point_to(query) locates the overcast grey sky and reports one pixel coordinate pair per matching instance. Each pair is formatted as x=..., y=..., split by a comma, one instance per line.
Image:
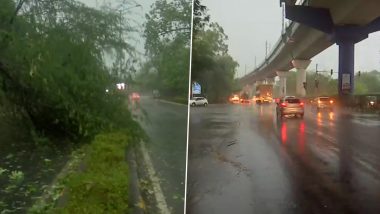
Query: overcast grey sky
x=249, y=23
x=136, y=13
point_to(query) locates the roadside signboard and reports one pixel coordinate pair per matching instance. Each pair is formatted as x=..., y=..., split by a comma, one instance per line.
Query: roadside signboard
x=346, y=82
x=196, y=88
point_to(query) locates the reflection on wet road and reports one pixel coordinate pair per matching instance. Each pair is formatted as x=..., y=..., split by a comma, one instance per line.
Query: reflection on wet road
x=242, y=159
x=166, y=126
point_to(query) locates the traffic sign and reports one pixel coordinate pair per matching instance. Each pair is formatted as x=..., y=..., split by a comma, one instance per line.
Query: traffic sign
x=346, y=82
x=196, y=89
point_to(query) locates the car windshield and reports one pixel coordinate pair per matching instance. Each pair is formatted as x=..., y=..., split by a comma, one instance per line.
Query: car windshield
x=292, y=100
x=324, y=99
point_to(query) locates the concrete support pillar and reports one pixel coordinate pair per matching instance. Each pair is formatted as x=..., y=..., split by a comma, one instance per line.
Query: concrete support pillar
x=282, y=75
x=301, y=66
x=269, y=81
x=259, y=82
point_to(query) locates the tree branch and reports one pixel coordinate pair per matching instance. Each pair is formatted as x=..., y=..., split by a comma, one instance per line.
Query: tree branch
x=18, y=8
x=162, y=33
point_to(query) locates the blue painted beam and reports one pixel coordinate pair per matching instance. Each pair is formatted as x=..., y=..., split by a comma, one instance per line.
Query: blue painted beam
x=374, y=26
x=318, y=18
x=349, y=33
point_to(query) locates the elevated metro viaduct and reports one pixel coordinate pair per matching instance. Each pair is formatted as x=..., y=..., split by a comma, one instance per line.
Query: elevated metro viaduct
x=318, y=24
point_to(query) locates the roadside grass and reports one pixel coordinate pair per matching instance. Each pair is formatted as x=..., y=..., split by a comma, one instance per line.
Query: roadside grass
x=98, y=183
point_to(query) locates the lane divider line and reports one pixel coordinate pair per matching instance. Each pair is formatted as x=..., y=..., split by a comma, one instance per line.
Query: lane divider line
x=173, y=103
x=158, y=194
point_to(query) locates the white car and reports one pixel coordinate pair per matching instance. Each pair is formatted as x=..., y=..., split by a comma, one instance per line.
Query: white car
x=198, y=101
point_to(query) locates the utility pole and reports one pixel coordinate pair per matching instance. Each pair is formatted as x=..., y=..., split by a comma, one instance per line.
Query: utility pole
x=255, y=63
x=266, y=49
x=283, y=18
x=245, y=69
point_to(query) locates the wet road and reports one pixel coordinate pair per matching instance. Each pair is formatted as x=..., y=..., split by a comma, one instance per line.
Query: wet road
x=243, y=160
x=166, y=126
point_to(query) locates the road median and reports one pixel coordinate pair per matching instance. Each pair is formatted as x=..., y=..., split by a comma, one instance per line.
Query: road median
x=95, y=180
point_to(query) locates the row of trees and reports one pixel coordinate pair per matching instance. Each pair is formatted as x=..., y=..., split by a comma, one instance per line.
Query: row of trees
x=52, y=64
x=167, y=33
x=366, y=83
x=212, y=66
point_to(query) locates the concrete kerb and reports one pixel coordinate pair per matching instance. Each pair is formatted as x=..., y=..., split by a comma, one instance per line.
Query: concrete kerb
x=151, y=191
x=136, y=199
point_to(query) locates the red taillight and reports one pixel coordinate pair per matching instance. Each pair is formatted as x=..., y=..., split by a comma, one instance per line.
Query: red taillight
x=302, y=104
x=283, y=104
x=331, y=101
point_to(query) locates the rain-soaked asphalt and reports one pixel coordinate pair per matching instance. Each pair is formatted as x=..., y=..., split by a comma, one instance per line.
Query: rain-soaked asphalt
x=166, y=126
x=243, y=160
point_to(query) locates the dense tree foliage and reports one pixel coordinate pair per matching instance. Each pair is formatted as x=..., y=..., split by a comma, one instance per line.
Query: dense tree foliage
x=52, y=64
x=367, y=83
x=167, y=33
x=200, y=17
x=212, y=66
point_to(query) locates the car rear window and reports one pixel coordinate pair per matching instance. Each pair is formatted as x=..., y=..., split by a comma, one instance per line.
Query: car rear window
x=324, y=99
x=292, y=100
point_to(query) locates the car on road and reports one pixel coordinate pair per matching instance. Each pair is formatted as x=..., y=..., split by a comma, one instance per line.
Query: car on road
x=156, y=94
x=135, y=97
x=198, y=101
x=245, y=101
x=235, y=99
x=290, y=105
x=244, y=98
x=324, y=103
x=371, y=102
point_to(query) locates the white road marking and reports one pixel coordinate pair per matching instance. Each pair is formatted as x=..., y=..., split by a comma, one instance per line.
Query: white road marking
x=173, y=103
x=158, y=194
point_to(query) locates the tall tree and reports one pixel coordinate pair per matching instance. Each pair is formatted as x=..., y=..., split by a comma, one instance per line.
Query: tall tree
x=212, y=66
x=52, y=63
x=167, y=33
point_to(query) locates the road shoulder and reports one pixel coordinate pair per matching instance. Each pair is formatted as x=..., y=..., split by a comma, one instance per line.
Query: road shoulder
x=149, y=183
x=171, y=102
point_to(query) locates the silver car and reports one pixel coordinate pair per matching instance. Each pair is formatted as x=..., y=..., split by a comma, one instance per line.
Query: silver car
x=198, y=101
x=290, y=105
